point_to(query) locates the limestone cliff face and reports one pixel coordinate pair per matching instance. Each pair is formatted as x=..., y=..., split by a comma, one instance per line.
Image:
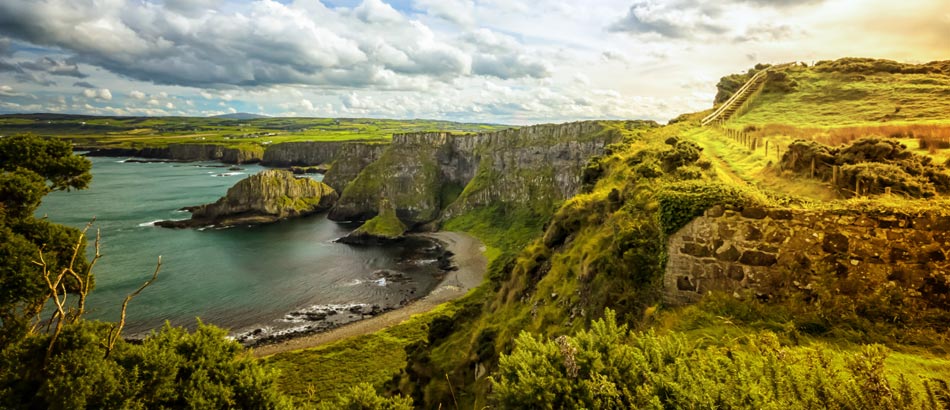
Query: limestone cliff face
x=536, y=165
x=407, y=174
x=428, y=176
x=188, y=152
x=303, y=153
x=268, y=196
x=349, y=161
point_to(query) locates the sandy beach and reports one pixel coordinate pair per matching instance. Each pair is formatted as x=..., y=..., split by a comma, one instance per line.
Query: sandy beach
x=468, y=257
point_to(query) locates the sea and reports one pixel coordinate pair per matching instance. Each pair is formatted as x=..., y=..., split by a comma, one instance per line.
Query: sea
x=255, y=281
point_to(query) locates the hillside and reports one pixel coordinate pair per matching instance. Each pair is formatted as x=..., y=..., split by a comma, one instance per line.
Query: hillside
x=863, y=315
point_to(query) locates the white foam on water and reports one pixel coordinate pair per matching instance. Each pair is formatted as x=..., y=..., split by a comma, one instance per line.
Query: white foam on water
x=228, y=174
x=151, y=223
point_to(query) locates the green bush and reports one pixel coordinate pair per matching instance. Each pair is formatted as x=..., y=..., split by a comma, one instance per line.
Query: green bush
x=610, y=367
x=169, y=369
x=683, y=153
x=681, y=202
x=877, y=163
x=364, y=397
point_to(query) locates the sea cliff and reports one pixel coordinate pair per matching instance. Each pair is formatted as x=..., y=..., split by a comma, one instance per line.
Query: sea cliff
x=433, y=176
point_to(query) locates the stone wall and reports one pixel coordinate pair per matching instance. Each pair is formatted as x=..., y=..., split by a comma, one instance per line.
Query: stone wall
x=760, y=252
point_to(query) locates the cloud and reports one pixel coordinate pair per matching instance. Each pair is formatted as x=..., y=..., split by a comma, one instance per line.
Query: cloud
x=83, y=84
x=766, y=32
x=136, y=94
x=460, y=12
x=54, y=67
x=675, y=19
x=6, y=48
x=260, y=44
x=610, y=55
x=189, y=7
x=375, y=11
x=501, y=56
x=7, y=91
x=99, y=94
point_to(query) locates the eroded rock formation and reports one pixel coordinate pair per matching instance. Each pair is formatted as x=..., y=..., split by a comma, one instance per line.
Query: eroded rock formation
x=268, y=196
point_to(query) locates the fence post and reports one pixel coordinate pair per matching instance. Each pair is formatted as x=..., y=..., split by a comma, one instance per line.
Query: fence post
x=857, y=187
x=887, y=190
x=812, y=167
x=766, y=148
x=834, y=175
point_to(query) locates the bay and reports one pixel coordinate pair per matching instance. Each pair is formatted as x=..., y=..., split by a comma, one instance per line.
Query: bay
x=240, y=278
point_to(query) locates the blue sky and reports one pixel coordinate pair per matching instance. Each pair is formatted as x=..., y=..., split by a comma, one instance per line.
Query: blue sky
x=502, y=61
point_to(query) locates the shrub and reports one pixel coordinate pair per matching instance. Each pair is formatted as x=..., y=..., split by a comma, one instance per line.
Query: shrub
x=683, y=153
x=610, y=367
x=682, y=201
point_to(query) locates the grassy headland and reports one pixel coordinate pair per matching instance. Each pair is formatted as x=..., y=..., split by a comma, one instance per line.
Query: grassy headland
x=553, y=274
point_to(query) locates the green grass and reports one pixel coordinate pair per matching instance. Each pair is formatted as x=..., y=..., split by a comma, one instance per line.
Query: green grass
x=838, y=99
x=321, y=373
x=161, y=131
x=385, y=224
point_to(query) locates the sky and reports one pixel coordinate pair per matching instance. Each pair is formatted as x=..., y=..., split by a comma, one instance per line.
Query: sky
x=495, y=61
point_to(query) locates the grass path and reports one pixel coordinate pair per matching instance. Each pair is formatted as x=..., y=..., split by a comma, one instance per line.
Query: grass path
x=468, y=257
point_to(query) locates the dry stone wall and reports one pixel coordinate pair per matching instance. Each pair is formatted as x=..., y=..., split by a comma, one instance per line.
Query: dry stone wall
x=759, y=252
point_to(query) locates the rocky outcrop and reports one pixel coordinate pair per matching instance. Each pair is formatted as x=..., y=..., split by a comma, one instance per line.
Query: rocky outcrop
x=186, y=152
x=268, y=196
x=432, y=176
x=382, y=229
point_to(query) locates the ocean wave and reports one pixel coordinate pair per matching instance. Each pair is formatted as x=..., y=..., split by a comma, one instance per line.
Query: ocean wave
x=150, y=223
x=228, y=174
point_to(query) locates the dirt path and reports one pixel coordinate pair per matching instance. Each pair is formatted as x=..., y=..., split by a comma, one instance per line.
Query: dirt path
x=468, y=257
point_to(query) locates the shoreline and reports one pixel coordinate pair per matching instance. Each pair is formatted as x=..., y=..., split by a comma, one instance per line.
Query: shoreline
x=471, y=265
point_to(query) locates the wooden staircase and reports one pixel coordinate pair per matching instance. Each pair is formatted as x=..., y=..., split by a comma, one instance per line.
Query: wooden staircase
x=741, y=96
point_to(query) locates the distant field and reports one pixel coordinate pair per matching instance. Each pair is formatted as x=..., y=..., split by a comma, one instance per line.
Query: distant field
x=151, y=131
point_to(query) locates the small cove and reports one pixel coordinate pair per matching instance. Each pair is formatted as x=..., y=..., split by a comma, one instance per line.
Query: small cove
x=241, y=278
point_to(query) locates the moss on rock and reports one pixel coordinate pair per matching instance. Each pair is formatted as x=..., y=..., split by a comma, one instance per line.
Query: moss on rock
x=268, y=196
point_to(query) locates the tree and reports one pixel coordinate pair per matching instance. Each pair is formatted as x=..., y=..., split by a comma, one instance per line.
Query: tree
x=75, y=363
x=30, y=168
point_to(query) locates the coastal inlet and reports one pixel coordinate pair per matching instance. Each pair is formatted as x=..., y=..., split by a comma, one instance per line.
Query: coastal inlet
x=240, y=278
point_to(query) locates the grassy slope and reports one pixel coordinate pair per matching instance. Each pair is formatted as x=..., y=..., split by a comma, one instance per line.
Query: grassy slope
x=597, y=252
x=832, y=99
x=833, y=103
x=161, y=131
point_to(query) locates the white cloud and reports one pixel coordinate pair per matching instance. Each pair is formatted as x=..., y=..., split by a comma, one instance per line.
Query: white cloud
x=138, y=95
x=460, y=12
x=98, y=94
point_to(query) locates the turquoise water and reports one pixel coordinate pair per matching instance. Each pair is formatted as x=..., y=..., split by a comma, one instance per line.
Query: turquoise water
x=239, y=278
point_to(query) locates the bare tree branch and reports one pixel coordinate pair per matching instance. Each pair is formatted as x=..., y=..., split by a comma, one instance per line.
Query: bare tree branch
x=116, y=330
